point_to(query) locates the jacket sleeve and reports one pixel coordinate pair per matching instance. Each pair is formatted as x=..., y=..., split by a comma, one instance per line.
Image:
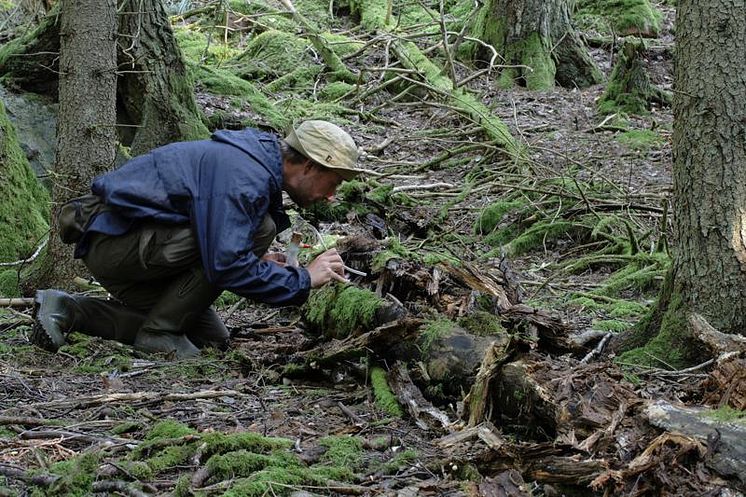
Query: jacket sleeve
x=225, y=224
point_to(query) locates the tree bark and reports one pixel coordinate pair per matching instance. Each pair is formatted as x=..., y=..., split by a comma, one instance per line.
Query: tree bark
x=709, y=143
x=155, y=91
x=537, y=42
x=85, y=130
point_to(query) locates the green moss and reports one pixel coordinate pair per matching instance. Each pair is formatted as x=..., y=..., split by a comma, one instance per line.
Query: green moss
x=611, y=325
x=671, y=346
x=342, y=45
x=298, y=80
x=202, y=48
x=727, y=414
x=629, y=89
x=385, y=398
x=536, y=54
x=401, y=460
x=276, y=20
x=220, y=443
x=243, y=463
x=226, y=299
x=339, y=310
x=76, y=477
x=126, y=427
x=168, y=428
x=9, y=283
x=491, y=217
x=273, y=54
x=270, y=481
x=613, y=307
x=20, y=192
x=90, y=359
x=335, y=90
x=482, y=323
x=623, y=16
x=640, y=139
x=542, y=233
x=433, y=330
x=342, y=451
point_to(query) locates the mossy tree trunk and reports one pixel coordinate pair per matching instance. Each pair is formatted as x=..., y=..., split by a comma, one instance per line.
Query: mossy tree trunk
x=537, y=43
x=24, y=207
x=629, y=89
x=86, y=134
x=155, y=92
x=709, y=142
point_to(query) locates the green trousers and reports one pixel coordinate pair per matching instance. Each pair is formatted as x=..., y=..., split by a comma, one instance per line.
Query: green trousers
x=156, y=276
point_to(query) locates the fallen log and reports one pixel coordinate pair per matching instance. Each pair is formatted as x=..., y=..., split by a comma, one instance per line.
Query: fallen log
x=724, y=442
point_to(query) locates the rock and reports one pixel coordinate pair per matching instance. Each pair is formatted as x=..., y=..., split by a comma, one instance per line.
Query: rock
x=36, y=126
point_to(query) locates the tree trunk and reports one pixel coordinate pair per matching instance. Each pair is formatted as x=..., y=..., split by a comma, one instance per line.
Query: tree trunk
x=156, y=94
x=709, y=270
x=629, y=88
x=537, y=43
x=86, y=134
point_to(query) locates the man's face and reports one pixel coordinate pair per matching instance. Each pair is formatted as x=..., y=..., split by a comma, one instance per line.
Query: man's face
x=317, y=183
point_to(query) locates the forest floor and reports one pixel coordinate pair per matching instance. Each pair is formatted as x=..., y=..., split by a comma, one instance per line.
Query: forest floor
x=98, y=415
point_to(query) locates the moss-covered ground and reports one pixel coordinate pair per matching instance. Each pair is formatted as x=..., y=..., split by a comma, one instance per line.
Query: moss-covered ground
x=579, y=226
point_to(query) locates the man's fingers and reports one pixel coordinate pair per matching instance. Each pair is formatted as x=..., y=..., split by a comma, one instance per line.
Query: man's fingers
x=338, y=277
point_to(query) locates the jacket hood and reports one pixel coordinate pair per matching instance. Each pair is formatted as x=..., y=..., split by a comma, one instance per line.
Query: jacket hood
x=260, y=146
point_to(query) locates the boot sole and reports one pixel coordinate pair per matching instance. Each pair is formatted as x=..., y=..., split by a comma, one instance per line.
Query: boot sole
x=40, y=335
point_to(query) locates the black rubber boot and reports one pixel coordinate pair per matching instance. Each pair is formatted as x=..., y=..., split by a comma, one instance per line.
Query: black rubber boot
x=168, y=343
x=54, y=317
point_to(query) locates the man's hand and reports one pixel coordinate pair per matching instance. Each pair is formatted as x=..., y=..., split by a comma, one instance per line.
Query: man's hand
x=325, y=268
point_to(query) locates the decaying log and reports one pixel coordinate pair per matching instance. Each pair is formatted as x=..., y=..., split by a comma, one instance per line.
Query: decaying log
x=544, y=463
x=382, y=338
x=496, y=287
x=484, y=431
x=726, y=385
x=507, y=484
x=477, y=404
x=549, y=331
x=453, y=359
x=725, y=442
x=426, y=415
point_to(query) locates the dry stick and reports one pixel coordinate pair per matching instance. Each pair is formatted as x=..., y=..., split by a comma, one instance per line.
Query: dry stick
x=66, y=436
x=596, y=351
x=431, y=186
x=30, y=259
x=28, y=421
x=17, y=302
x=138, y=397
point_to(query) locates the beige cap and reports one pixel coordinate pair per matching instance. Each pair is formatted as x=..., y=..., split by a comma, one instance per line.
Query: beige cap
x=327, y=144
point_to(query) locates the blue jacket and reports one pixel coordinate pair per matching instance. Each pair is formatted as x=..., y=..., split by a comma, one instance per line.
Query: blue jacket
x=224, y=187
